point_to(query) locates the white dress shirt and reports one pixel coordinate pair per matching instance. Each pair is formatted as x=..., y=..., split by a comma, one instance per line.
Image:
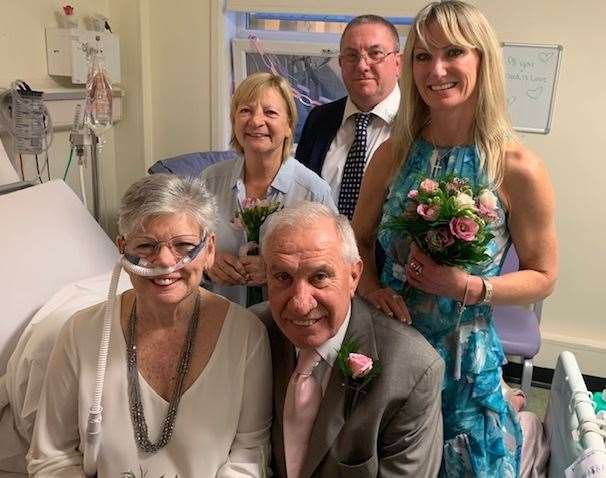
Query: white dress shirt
x=378, y=131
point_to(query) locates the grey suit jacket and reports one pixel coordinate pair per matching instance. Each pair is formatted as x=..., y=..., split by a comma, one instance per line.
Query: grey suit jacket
x=394, y=429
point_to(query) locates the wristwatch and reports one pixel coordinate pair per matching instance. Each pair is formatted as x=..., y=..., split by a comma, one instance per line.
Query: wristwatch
x=488, y=290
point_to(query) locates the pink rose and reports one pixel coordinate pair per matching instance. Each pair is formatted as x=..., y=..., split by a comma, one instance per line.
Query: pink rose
x=428, y=186
x=429, y=212
x=456, y=185
x=249, y=203
x=439, y=239
x=489, y=215
x=487, y=199
x=413, y=194
x=359, y=364
x=464, y=228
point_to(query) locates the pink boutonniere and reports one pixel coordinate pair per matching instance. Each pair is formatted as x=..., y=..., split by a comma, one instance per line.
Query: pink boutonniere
x=358, y=371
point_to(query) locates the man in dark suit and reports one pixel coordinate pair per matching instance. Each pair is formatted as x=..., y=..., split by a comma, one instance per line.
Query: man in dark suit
x=388, y=421
x=370, y=67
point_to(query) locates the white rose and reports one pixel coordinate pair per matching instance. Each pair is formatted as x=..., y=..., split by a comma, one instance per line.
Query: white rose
x=487, y=199
x=463, y=200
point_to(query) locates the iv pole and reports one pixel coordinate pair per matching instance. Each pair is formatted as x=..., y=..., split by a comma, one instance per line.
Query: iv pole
x=97, y=119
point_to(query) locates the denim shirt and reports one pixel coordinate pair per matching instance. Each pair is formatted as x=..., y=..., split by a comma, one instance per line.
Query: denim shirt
x=293, y=183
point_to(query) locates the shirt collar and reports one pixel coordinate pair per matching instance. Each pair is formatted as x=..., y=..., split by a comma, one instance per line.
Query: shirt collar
x=329, y=349
x=282, y=181
x=386, y=109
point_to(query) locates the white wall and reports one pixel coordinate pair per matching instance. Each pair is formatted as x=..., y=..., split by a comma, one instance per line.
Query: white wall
x=573, y=317
x=179, y=45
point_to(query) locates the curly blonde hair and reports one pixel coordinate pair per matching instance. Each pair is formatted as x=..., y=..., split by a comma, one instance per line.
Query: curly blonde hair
x=463, y=25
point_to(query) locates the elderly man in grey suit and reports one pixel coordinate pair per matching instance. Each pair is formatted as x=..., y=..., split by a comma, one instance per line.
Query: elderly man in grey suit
x=371, y=409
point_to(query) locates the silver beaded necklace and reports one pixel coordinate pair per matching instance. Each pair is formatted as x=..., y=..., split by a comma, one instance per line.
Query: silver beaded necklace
x=134, y=391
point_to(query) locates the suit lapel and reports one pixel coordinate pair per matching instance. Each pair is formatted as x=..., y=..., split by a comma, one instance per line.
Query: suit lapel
x=327, y=132
x=331, y=416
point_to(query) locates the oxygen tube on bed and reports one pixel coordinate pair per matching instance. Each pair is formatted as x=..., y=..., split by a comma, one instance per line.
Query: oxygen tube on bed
x=141, y=267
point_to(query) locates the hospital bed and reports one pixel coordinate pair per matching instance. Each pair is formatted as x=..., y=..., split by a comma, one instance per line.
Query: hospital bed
x=570, y=422
x=50, y=248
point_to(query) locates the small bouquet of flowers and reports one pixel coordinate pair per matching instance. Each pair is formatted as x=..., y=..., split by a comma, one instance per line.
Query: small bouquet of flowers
x=449, y=220
x=250, y=216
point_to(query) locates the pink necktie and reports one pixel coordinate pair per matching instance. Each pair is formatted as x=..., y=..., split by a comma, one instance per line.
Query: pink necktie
x=303, y=397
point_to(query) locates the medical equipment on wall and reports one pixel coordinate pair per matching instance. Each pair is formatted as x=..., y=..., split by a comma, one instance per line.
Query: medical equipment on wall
x=139, y=267
x=26, y=118
x=66, y=53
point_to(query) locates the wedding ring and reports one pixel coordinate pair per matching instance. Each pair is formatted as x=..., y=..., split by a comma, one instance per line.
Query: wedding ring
x=416, y=267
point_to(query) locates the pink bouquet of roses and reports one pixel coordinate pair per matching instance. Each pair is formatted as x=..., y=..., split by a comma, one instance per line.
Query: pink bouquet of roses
x=449, y=221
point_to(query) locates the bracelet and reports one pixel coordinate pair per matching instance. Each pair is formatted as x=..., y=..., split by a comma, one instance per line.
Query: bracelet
x=488, y=291
x=464, y=303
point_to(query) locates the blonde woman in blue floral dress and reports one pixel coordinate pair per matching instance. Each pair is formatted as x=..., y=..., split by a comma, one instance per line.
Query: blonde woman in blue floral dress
x=453, y=119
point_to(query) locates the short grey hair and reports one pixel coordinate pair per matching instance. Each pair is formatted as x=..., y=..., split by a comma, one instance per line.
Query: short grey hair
x=307, y=213
x=161, y=194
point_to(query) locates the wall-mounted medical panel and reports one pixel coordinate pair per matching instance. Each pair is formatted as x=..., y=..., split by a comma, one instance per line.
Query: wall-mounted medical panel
x=66, y=53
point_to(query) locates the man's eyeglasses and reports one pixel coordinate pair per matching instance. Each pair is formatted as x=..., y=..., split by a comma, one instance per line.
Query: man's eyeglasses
x=180, y=246
x=371, y=57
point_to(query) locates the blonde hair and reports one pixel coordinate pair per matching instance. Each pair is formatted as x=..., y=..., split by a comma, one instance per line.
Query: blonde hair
x=250, y=91
x=463, y=25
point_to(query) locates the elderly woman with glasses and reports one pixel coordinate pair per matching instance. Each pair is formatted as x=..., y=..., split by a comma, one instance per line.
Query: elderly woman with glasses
x=263, y=117
x=188, y=379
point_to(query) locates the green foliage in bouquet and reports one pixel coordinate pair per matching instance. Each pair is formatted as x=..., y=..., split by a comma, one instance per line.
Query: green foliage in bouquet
x=253, y=213
x=448, y=220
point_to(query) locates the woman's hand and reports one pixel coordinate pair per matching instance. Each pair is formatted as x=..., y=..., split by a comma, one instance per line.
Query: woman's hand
x=255, y=270
x=423, y=273
x=227, y=269
x=390, y=303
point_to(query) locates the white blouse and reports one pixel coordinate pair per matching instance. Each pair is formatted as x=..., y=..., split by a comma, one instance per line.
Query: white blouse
x=222, y=425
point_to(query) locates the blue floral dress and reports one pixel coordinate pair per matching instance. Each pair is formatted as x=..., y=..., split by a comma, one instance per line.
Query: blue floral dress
x=481, y=433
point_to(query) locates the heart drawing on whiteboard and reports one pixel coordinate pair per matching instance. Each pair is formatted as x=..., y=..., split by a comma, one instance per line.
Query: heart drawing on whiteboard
x=535, y=93
x=511, y=100
x=545, y=56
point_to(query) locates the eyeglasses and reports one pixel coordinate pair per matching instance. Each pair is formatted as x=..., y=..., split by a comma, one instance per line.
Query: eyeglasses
x=180, y=246
x=371, y=57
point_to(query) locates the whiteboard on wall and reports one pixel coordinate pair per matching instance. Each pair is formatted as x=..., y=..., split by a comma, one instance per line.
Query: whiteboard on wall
x=531, y=75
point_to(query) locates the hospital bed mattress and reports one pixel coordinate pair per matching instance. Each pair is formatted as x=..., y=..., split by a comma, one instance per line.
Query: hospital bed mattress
x=48, y=240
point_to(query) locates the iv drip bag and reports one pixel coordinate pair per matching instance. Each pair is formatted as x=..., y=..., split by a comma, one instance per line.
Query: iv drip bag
x=98, y=106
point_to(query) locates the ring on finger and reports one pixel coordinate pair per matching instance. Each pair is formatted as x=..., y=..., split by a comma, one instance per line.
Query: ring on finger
x=416, y=267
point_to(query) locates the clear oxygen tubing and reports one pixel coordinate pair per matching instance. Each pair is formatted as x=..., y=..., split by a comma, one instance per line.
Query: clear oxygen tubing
x=95, y=415
x=82, y=184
